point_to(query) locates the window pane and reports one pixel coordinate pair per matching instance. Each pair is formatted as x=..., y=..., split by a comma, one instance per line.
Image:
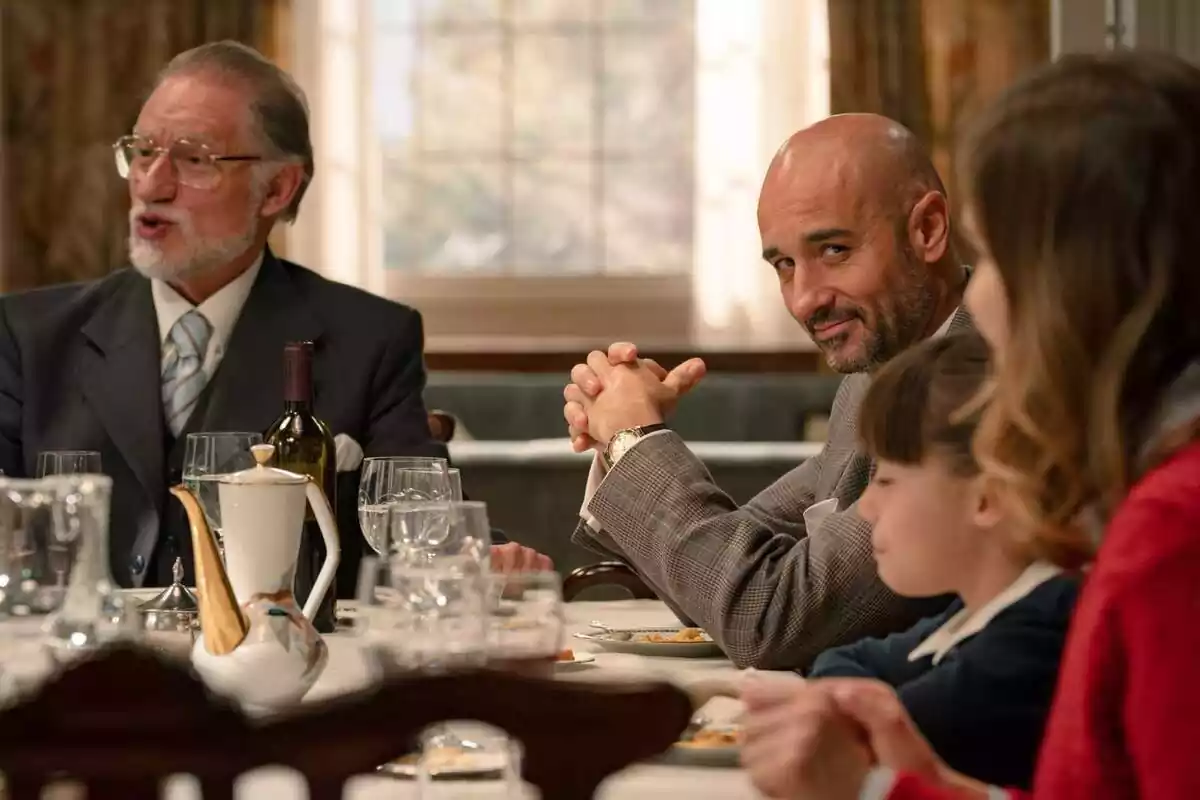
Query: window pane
x=395, y=66
x=554, y=85
x=455, y=220
x=648, y=216
x=552, y=218
x=551, y=12
x=457, y=12
x=649, y=94
x=394, y=13
x=671, y=12
x=459, y=97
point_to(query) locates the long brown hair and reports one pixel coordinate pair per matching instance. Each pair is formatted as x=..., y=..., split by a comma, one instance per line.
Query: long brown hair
x=913, y=408
x=1083, y=181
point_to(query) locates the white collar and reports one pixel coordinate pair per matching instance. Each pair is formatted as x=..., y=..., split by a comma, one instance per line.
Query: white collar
x=945, y=326
x=968, y=623
x=221, y=309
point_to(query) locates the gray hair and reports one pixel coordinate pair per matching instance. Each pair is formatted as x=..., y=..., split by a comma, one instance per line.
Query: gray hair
x=280, y=108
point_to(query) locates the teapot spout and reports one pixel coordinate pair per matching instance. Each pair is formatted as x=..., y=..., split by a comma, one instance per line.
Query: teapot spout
x=222, y=622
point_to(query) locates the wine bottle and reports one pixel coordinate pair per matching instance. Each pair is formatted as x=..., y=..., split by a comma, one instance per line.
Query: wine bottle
x=304, y=444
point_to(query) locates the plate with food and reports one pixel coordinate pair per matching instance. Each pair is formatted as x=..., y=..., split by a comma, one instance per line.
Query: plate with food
x=569, y=659
x=451, y=762
x=714, y=745
x=678, y=642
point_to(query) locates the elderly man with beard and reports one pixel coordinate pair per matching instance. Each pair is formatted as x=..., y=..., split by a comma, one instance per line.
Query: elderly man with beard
x=855, y=224
x=191, y=338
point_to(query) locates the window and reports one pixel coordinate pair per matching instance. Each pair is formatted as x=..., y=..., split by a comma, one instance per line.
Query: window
x=535, y=137
x=575, y=169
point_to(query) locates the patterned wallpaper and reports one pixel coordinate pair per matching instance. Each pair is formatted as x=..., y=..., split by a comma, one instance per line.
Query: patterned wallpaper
x=73, y=74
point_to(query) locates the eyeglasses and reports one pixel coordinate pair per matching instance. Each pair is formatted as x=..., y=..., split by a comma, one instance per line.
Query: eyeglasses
x=195, y=164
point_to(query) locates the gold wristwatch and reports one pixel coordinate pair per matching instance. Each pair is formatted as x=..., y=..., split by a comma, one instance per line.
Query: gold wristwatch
x=624, y=439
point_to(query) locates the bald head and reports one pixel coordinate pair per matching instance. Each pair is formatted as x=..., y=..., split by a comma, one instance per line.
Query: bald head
x=854, y=220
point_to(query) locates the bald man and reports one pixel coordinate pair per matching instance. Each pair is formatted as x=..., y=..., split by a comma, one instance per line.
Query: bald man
x=855, y=224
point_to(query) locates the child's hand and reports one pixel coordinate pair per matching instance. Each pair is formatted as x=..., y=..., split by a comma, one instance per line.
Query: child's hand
x=798, y=744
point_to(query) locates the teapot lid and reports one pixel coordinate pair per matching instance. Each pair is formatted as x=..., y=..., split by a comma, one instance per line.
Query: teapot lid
x=261, y=474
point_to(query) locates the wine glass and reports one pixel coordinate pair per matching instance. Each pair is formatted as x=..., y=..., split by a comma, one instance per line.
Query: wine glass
x=206, y=457
x=68, y=462
x=527, y=628
x=397, y=481
x=426, y=532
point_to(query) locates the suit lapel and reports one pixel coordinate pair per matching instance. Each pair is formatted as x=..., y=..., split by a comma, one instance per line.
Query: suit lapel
x=119, y=376
x=246, y=388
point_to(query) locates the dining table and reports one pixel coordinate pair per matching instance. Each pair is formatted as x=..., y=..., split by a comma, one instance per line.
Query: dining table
x=348, y=669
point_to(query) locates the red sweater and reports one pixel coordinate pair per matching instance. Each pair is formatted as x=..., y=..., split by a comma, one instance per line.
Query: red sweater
x=1126, y=716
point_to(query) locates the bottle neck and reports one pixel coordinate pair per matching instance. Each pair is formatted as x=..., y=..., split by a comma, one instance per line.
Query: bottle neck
x=297, y=377
x=298, y=406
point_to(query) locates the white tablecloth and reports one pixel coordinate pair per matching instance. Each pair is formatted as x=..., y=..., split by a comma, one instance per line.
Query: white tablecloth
x=347, y=671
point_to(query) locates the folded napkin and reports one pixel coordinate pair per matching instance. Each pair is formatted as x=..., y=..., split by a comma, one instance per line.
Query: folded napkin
x=349, y=453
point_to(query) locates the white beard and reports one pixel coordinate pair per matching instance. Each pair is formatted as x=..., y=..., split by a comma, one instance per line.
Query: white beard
x=199, y=253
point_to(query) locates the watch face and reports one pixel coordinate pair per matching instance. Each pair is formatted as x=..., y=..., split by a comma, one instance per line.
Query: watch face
x=621, y=443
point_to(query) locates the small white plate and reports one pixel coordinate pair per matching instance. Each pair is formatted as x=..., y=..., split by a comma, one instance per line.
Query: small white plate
x=466, y=765
x=706, y=648
x=700, y=756
x=578, y=661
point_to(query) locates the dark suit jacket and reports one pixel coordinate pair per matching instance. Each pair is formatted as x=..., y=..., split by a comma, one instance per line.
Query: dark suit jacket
x=984, y=705
x=79, y=369
x=772, y=593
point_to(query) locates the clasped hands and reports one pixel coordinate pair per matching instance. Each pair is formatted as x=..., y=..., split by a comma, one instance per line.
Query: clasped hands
x=618, y=390
x=819, y=738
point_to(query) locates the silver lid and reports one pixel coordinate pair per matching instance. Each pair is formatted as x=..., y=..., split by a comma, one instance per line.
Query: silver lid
x=176, y=598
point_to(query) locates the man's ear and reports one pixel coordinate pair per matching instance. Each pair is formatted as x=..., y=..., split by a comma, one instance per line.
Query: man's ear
x=929, y=227
x=281, y=188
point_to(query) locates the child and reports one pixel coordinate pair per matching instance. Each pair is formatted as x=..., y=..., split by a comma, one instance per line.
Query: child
x=977, y=679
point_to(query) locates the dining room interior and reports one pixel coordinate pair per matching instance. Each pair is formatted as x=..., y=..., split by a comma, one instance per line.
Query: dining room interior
x=538, y=179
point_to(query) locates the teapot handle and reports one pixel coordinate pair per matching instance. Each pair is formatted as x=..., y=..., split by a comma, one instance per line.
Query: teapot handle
x=333, y=549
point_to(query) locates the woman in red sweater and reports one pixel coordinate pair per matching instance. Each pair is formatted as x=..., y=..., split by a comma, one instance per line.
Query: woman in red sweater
x=1082, y=197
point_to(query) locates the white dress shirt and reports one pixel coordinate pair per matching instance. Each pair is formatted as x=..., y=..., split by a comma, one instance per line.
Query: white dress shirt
x=820, y=510
x=221, y=310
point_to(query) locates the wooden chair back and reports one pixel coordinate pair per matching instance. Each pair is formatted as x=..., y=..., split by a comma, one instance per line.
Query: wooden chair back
x=120, y=723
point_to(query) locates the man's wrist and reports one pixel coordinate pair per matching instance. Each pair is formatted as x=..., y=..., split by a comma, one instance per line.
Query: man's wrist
x=624, y=440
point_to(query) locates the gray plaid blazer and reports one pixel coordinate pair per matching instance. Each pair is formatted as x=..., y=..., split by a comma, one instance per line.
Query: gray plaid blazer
x=772, y=594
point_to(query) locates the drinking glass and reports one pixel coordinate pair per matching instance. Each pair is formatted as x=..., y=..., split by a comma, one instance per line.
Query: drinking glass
x=68, y=462
x=426, y=617
x=208, y=456
x=455, y=478
x=396, y=481
x=527, y=624
x=463, y=748
x=58, y=595
x=426, y=532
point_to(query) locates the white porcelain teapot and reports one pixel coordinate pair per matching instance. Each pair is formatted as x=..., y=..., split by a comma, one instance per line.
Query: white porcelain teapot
x=255, y=643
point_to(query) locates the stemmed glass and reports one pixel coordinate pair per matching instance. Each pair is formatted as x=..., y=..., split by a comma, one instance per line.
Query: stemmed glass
x=68, y=462
x=528, y=625
x=397, y=482
x=206, y=457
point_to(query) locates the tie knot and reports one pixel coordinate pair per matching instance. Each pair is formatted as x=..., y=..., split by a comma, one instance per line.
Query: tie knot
x=190, y=334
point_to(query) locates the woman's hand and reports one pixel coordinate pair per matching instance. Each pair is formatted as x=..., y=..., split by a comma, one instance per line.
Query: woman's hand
x=798, y=744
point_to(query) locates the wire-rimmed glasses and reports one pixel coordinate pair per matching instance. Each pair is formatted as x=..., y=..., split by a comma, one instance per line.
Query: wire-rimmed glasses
x=194, y=163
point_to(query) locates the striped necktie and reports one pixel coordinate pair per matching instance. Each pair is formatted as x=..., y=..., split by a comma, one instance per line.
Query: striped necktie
x=183, y=376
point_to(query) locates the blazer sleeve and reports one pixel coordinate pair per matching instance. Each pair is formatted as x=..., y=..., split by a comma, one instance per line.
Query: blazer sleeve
x=772, y=594
x=984, y=709
x=883, y=659
x=11, y=398
x=398, y=424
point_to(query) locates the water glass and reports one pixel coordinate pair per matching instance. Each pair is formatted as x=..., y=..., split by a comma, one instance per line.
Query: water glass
x=68, y=462
x=426, y=532
x=208, y=456
x=428, y=617
x=461, y=749
x=527, y=624
x=397, y=481
x=58, y=595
